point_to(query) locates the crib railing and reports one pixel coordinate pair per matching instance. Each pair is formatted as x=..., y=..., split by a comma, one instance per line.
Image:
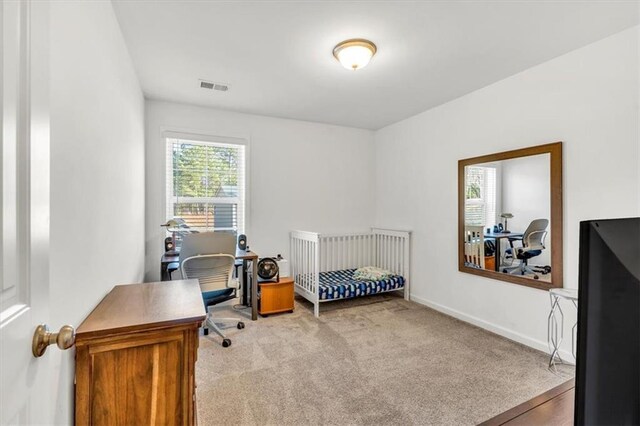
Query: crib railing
x=474, y=245
x=305, y=263
x=346, y=251
x=312, y=253
x=392, y=251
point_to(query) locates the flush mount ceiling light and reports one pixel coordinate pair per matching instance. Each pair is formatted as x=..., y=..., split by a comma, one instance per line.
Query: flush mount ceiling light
x=355, y=53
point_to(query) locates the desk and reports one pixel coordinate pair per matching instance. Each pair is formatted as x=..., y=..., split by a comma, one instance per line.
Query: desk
x=249, y=256
x=245, y=256
x=497, y=237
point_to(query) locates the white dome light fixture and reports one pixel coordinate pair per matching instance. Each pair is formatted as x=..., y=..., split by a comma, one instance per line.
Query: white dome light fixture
x=355, y=53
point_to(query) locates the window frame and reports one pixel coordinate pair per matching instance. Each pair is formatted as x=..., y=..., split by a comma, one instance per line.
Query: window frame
x=484, y=199
x=204, y=139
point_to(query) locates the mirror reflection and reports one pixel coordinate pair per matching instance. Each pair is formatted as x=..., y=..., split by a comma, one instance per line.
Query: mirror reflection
x=507, y=217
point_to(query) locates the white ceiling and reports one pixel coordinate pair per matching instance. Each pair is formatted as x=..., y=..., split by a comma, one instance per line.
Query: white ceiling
x=277, y=55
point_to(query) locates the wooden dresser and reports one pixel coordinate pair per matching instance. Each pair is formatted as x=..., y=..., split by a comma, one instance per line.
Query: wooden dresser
x=136, y=354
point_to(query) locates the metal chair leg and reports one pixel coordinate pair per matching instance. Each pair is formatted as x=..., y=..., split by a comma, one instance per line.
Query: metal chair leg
x=212, y=325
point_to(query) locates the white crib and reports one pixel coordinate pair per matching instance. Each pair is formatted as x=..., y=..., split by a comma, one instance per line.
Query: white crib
x=313, y=253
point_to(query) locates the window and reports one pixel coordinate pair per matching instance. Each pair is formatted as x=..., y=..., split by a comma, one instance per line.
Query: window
x=206, y=184
x=480, y=195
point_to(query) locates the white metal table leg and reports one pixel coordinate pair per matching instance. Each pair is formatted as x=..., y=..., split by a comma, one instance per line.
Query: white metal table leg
x=554, y=338
x=556, y=320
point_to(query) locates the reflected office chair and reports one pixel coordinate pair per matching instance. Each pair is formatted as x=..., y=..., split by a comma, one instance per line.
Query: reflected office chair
x=210, y=258
x=532, y=246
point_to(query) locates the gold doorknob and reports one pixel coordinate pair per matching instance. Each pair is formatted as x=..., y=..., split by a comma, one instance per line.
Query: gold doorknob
x=42, y=338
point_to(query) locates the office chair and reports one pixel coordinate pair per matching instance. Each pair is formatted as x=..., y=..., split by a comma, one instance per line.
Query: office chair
x=210, y=257
x=532, y=246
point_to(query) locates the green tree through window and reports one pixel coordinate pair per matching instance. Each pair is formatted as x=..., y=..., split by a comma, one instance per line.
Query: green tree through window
x=204, y=171
x=205, y=184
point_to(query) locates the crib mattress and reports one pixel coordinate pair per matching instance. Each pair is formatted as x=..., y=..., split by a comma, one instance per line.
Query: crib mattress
x=341, y=285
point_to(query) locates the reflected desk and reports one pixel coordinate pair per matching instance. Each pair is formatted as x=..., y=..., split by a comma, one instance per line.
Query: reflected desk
x=245, y=255
x=497, y=236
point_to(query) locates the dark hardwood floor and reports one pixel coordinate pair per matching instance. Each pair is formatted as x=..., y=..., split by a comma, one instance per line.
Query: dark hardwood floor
x=554, y=407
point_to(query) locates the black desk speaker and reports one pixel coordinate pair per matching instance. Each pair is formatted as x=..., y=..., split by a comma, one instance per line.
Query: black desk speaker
x=168, y=244
x=242, y=242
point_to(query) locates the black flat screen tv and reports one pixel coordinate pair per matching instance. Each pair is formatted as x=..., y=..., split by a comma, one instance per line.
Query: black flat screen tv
x=608, y=352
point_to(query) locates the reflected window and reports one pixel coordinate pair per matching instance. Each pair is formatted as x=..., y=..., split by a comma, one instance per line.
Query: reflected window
x=480, y=195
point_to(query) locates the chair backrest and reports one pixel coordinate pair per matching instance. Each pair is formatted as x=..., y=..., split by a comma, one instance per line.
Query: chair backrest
x=208, y=243
x=474, y=245
x=209, y=257
x=534, y=235
x=213, y=271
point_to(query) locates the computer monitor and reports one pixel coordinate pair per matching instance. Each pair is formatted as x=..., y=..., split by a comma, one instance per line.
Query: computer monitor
x=608, y=356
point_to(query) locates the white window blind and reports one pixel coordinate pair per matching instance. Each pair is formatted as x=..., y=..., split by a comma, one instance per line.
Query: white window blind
x=480, y=195
x=206, y=184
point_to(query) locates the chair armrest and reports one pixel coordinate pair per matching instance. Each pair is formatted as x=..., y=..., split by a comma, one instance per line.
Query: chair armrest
x=513, y=240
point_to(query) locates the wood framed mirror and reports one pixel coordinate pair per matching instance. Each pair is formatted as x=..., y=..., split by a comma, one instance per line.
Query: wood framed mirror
x=510, y=216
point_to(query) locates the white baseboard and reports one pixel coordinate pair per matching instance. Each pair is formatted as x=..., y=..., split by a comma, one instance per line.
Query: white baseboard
x=504, y=332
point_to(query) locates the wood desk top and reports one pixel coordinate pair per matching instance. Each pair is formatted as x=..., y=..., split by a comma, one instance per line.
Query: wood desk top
x=137, y=306
x=498, y=235
x=246, y=255
x=240, y=254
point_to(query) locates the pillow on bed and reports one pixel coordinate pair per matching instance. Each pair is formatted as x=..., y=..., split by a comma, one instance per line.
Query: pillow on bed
x=371, y=273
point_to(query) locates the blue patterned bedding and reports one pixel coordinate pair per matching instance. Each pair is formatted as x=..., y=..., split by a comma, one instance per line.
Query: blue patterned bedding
x=341, y=285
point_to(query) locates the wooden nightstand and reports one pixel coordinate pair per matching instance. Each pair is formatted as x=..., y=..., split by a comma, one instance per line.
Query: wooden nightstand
x=276, y=297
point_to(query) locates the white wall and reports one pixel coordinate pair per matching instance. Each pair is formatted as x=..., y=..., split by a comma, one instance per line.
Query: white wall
x=588, y=99
x=302, y=175
x=526, y=193
x=97, y=172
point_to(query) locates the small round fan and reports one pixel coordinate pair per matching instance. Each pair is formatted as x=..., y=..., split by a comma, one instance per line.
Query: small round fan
x=268, y=269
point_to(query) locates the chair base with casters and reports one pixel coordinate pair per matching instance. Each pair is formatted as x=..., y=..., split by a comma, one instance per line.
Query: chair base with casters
x=214, y=272
x=523, y=267
x=213, y=298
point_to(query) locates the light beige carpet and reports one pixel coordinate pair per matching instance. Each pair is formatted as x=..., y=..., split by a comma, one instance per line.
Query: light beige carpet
x=376, y=360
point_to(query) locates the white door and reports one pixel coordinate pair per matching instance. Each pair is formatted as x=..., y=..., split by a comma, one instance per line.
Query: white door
x=25, y=382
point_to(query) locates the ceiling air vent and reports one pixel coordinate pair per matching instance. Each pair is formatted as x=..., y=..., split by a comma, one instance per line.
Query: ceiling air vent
x=222, y=87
